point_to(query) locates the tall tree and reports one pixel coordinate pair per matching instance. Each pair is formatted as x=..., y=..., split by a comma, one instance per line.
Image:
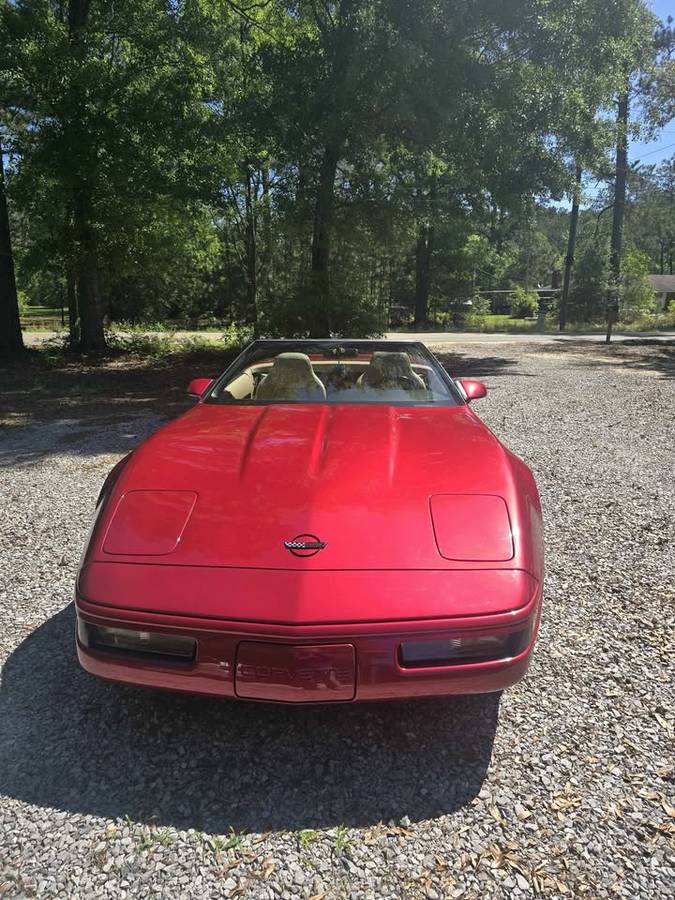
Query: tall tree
x=645, y=60
x=11, y=339
x=297, y=166
x=618, y=208
x=81, y=148
x=571, y=245
x=650, y=214
x=114, y=105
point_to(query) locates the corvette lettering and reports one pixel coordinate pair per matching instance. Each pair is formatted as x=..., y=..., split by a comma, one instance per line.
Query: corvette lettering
x=280, y=674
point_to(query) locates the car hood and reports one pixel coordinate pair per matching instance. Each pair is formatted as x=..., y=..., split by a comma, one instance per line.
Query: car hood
x=228, y=485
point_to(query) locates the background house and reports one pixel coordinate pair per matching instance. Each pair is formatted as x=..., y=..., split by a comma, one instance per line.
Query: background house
x=664, y=288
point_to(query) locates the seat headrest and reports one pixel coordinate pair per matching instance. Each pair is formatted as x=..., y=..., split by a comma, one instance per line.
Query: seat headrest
x=298, y=363
x=391, y=369
x=391, y=364
x=291, y=378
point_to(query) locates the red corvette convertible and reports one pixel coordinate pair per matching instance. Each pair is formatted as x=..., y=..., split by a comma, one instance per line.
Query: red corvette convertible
x=330, y=522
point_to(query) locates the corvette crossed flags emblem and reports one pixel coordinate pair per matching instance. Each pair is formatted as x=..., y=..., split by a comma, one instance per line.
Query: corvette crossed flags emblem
x=304, y=545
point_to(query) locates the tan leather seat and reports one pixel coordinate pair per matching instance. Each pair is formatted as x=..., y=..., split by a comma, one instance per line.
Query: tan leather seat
x=390, y=370
x=291, y=378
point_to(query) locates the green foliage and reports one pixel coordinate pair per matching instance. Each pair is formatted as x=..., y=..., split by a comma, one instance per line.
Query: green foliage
x=274, y=165
x=637, y=297
x=524, y=304
x=164, y=267
x=589, y=287
x=350, y=314
x=650, y=214
x=307, y=837
x=481, y=305
x=495, y=323
x=342, y=841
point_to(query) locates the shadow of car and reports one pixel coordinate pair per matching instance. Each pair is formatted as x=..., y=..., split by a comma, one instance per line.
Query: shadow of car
x=80, y=745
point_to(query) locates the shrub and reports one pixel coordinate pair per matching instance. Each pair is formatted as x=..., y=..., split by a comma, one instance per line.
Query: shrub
x=463, y=312
x=637, y=296
x=524, y=304
x=480, y=305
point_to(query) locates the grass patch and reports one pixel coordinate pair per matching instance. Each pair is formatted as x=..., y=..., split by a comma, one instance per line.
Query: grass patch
x=165, y=837
x=138, y=347
x=342, y=842
x=218, y=844
x=205, y=325
x=501, y=322
x=40, y=312
x=143, y=841
x=656, y=322
x=307, y=837
x=492, y=323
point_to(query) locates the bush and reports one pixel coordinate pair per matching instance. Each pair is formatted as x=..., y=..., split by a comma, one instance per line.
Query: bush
x=480, y=305
x=463, y=312
x=474, y=317
x=637, y=297
x=524, y=304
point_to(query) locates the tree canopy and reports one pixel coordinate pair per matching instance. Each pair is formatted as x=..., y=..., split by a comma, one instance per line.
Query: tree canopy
x=306, y=167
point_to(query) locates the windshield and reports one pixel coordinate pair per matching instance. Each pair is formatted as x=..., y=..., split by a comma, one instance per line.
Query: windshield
x=335, y=372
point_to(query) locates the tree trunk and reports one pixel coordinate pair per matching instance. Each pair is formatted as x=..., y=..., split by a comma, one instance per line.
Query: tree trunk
x=339, y=39
x=569, y=258
x=267, y=261
x=251, y=254
x=11, y=339
x=423, y=253
x=91, y=334
x=618, y=211
x=319, y=323
x=73, y=315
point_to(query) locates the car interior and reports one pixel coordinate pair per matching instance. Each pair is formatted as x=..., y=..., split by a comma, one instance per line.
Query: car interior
x=378, y=376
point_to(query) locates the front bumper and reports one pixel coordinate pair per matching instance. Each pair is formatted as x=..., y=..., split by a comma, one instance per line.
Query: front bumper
x=217, y=668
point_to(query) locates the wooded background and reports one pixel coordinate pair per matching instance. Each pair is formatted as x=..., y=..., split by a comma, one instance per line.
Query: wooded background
x=316, y=168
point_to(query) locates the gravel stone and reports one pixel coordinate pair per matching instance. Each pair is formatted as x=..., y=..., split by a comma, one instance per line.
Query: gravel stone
x=564, y=786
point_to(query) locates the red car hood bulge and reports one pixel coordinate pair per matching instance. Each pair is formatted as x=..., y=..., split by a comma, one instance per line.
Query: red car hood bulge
x=359, y=478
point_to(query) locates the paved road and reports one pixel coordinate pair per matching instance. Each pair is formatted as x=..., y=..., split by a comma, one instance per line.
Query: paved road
x=33, y=338
x=466, y=337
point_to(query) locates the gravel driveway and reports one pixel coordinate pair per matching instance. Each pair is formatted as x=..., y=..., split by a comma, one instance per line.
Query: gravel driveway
x=563, y=786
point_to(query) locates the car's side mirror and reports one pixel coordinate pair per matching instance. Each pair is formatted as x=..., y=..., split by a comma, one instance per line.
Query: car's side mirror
x=474, y=390
x=198, y=386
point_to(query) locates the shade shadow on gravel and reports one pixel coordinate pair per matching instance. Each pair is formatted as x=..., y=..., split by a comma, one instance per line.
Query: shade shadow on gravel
x=77, y=744
x=97, y=390
x=460, y=365
x=66, y=436
x=651, y=357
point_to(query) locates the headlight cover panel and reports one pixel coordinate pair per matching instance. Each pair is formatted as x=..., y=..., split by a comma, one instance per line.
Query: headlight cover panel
x=472, y=527
x=149, y=523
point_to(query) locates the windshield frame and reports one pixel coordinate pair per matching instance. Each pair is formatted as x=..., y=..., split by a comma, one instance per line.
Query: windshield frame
x=306, y=345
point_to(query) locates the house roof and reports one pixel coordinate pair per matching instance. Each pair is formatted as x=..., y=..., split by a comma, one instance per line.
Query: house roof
x=663, y=284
